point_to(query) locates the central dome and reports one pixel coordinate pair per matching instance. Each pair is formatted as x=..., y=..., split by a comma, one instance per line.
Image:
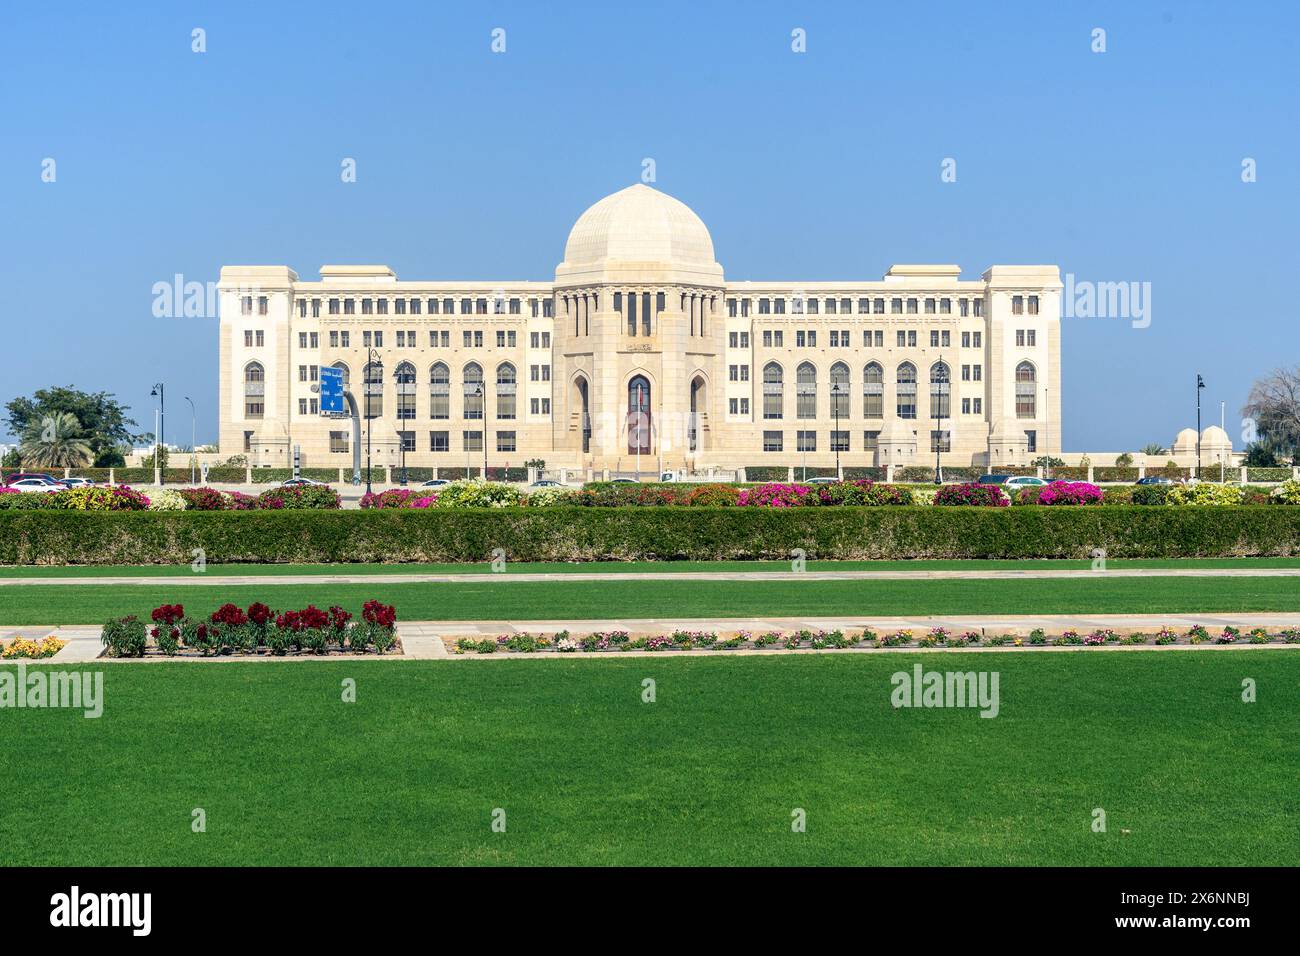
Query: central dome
x=639, y=224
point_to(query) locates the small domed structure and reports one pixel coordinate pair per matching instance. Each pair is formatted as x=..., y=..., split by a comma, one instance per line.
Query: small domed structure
x=1184, y=443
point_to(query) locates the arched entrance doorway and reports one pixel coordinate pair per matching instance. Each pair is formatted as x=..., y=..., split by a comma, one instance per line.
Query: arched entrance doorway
x=699, y=409
x=581, y=405
x=639, y=423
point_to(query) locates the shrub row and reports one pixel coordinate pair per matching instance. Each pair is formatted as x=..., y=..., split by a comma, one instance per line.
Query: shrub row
x=623, y=534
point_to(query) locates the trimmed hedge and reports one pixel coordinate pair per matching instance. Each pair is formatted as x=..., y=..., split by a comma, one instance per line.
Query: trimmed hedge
x=588, y=534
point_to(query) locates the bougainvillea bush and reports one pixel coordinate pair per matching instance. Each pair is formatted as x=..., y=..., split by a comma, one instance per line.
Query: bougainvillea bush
x=258, y=629
x=1204, y=493
x=1070, y=493
x=304, y=496
x=971, y=494
x=775, y=495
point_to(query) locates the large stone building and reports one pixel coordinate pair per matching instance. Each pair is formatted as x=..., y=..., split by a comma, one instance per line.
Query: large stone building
x=640, y=355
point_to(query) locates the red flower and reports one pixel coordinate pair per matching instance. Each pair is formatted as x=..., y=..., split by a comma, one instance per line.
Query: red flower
x=339, y=618
x=382, y=614
x=168, y=613
x=230, y=614
x=259, y=613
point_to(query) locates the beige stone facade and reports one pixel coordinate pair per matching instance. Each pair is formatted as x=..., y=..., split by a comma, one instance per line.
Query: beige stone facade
x=640, y=355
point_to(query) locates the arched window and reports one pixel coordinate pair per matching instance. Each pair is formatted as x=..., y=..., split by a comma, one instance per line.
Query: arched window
x=905, y=386
x=374, y=388
x=439, y=391
x=404, y=376
x=638, y=416
x=254, y=390
x=773, y=391
x=805, y=387
x=839, y=391
x=873, y=391
x=506, y=390
x=940, y=391
x=473, y=379
x=1026, y=390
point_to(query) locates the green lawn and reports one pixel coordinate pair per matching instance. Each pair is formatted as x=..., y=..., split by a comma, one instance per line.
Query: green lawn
x=183, y=570
x=708, y=774
x=593, y=600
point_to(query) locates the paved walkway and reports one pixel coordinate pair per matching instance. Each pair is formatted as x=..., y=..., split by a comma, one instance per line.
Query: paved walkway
x=992, y=574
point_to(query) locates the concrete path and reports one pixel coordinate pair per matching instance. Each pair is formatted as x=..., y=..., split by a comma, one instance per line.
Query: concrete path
x=992, y=574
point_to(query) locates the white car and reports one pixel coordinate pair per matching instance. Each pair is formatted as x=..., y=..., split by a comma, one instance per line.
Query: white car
x=821, y=481
x=37, y=484
x=1023, y=481
x=435, y=483
x=79, y=482
x=302, y=483
x=545, y=483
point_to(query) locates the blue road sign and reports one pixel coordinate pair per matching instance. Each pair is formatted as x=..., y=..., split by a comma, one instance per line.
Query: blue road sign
x=331, y=390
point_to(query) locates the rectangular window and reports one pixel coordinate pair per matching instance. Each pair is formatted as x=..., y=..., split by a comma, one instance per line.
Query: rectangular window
x=261, y=305
x=976, y=339
x=911, y=306
x=929, y=306
x=839, y=441
x=870, y=440
x=339, y=443
x=1017, y=305
x=977, y=373
x=382, y=306
x=1031, y=337
x=1031, y=441
x=472, y=441
x=772, y=441
x=439, y=441
x=334, y=306
x=408, y=440
x=1033, y=305
x=248, y=338
x=346, y=337
x=806, y=441
x=334, y=339
x=505, y=441
x=965, y=340
x=963, y=307
x=940, y=440
x=977, y=406
x=934, y=338
x=399, y=306
x=1020, y=338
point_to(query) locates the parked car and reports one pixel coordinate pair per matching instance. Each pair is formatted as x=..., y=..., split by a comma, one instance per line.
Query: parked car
x=624, y=481
x=37, y=483
x=821, y=481
x=75, y=482
x=1023, y=481
x=994, y=479
x=434, y=483
x=1155, y=480
x=302, y=483
x=20, y=475
x=545, y=483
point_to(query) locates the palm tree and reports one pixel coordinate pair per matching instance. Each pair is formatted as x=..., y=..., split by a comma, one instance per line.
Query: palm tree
x=55, y=442
x=1154, y=450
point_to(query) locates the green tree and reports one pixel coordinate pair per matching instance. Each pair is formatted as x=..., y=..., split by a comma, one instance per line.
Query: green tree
x=55, y=442
x=1260, y=455
x=101, y=420
x=1154, y=450
x=1123, y=460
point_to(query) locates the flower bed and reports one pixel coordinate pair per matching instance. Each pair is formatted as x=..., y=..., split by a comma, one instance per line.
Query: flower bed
x=562, y=642
x=971, y=494
x=124, y=498
x=25, y=648
x=255, y=631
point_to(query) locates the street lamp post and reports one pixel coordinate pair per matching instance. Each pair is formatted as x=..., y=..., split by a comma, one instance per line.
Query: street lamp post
x=938, y=417
x=159, y=439
x=1200, y=384
x=835, y=438
x=365, y=385
x=481, y=392
x=194, y=448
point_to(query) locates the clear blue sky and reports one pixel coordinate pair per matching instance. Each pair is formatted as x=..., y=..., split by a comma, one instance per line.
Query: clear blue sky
x=1122, y=166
